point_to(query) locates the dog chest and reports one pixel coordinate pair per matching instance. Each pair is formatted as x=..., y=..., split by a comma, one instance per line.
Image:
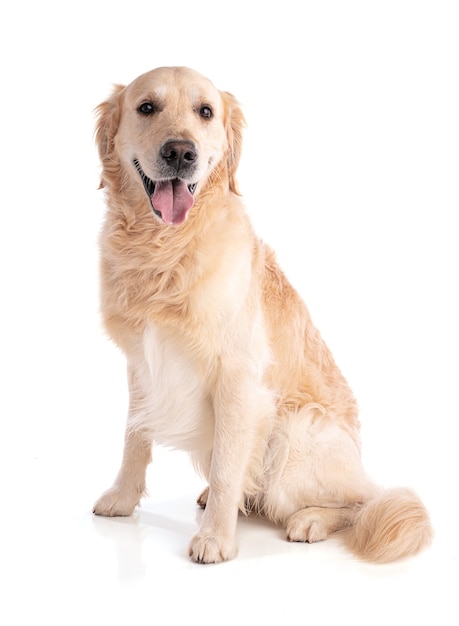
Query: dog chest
x=177, y=410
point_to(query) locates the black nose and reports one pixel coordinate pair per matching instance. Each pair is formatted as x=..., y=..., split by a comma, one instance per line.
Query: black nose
x=179, y=154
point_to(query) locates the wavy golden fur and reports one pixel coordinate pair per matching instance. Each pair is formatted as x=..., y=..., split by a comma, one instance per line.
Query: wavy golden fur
x=223, y=359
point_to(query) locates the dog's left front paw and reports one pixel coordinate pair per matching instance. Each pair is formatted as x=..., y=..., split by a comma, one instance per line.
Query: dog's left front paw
x=211, y=549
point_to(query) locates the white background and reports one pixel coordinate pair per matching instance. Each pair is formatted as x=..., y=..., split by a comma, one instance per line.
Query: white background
x=350, y=171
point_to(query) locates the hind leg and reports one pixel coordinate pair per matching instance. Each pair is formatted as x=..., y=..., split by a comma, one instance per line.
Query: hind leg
x=316, y=523
x=316, y=478
x=202, y=499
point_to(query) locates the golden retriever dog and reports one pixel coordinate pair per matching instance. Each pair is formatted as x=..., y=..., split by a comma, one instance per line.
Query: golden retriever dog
x=223, y=360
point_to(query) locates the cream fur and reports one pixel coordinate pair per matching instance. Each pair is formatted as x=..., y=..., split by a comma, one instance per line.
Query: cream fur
x=223, y=359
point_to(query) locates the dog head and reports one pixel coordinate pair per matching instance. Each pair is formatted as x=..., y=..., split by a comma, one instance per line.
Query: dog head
x=167, y=133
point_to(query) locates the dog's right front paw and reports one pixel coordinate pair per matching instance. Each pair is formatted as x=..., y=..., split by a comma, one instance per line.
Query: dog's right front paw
x=113, y=503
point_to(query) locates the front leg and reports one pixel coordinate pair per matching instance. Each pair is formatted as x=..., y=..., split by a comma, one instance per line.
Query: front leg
x=242, y=415
x=129, y=486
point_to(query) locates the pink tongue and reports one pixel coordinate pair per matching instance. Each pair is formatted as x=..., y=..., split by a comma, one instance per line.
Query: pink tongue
x=173, y=199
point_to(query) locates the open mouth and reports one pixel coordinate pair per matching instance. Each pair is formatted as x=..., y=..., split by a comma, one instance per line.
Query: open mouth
x=170, y=199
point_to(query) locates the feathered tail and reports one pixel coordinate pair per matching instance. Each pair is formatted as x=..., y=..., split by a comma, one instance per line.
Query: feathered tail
x=391, y=526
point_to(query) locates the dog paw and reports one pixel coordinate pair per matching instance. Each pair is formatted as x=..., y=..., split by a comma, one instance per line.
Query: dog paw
x=202, y=500
x=114, y=503
x=304, y=526
x=211, y=549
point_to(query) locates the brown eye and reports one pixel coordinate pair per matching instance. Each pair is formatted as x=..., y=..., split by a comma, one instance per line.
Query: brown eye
x=206, y=112
x=146, y=108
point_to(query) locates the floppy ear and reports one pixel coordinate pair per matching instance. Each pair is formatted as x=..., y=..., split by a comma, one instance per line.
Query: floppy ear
x=235, y=123
x=108, y=118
